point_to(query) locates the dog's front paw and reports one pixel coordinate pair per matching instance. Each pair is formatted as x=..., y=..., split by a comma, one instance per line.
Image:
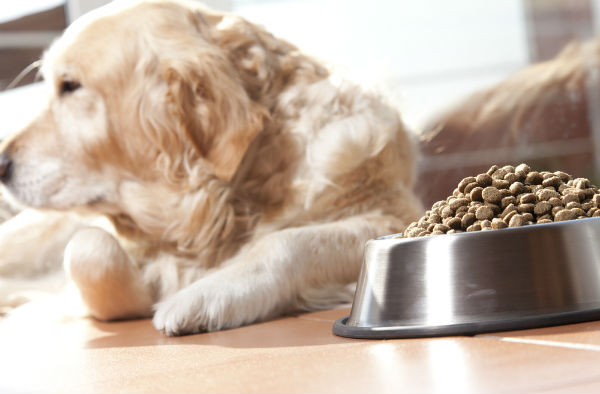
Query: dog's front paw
x=178, y=315
x=213, y=303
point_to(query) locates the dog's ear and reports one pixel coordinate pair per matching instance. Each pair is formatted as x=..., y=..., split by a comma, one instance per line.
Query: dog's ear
x=213, y=109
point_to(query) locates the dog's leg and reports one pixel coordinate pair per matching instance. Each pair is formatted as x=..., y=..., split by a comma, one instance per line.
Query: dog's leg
x=110, y=284
x=272, y=276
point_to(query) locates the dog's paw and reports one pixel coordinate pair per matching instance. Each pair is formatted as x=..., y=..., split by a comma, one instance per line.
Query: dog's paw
x=180, y=315
x=212, y=304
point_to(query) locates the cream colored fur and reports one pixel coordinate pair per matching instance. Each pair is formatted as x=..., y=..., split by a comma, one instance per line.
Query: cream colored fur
x=241, y=179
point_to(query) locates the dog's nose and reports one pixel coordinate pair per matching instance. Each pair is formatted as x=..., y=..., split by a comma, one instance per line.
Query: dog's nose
x=5, y=167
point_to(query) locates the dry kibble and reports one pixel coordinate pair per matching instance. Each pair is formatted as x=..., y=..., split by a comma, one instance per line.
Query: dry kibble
x=492, y=169
x=516, y=221
x=441, y=227
x=506, y=201
x=528, y=207
x=491, y=194
x=484, y=213
x=462, y=184
x=533, y=178
x=454, y=223
x=527, y=198
x=509, y=215
x=517, y=188
x=552, y=180
x=564, y=214
x=522, y=168
x=476, y=194
x=459, y=202
x=511, y=177
x=542, y=207
x=509, y=197
x=546, y=194
x=447, y=212
x=468, y=219
x=484, y=180
x=470, y=187
x=555, y=201
x=498, y=224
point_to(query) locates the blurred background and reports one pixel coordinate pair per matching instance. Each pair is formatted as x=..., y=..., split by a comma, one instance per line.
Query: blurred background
x=426, y=56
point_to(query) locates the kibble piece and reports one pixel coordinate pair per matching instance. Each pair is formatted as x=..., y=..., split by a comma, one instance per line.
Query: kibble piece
x=562, y=175
x=484, y=180
x=578, y=212
x=544, y=217
x=533, y=178
x=516, y=221
x=517, y=188
x=441, y=227
x=509, y=216
x=454, y=223
x=596, y=214
x=542, y=207
x=468, y=219
x=527, y=198
x=564, y=214
x=527, y=217
x=498, y=224
x=581, y=183
x=499, y=174
x=506, y=201
x=486, y=224
x=470, y=187
x=476, y=194
x=474, y=227
x=458, y=202
x=571, y=197
x=462, y=184
x=495, y=208
x=491, y=194
x=555, y=202
x=528, y=207
x=435, y=218
x=500, y=184
x=447, y=212
x=589, y=192
x=552, y=180
x=484, y=212
x=492, y=169
x=511, y=177
x=547, y=194
x=542, y=221
x=522, y=168
x=573, y=204
x=596, y=200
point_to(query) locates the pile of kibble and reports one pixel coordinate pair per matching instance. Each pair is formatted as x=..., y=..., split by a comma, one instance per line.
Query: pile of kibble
x=509, y=197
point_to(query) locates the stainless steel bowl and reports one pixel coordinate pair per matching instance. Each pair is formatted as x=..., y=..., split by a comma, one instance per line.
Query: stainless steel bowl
x=468, y=283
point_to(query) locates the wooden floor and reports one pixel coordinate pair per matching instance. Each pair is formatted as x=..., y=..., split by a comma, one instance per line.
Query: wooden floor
x=43, y=350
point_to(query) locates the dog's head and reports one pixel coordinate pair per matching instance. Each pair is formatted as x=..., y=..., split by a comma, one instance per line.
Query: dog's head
x=148, y=99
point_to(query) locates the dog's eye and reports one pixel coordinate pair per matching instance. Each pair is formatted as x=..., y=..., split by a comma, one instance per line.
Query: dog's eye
x=68, y=87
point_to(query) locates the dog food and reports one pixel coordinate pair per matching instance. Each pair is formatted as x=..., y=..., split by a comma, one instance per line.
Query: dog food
x=509, y=197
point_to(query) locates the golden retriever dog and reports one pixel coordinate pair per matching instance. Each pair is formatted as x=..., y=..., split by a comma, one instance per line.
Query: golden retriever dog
x=239, y=177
